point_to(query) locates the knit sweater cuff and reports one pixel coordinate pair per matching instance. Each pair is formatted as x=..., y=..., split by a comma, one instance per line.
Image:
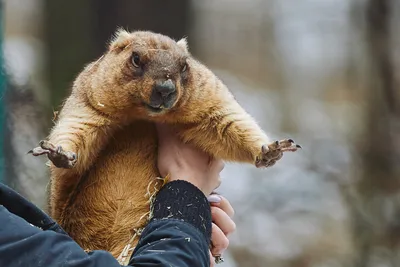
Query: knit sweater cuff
x=182, y=200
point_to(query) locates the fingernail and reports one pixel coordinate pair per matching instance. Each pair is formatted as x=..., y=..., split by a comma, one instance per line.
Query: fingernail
x=214, y=199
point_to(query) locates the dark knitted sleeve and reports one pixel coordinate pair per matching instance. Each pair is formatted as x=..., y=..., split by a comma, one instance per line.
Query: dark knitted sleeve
x=182, y=200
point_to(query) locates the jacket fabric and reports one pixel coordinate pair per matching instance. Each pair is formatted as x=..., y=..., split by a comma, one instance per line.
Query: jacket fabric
x=178, y=234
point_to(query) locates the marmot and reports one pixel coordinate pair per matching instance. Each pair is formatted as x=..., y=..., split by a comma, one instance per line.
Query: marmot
x=103, y=147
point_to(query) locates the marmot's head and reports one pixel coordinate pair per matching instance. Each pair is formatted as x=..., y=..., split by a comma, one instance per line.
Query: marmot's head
x=141, y=71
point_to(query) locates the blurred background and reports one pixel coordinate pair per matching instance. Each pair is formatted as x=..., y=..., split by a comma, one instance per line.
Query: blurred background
x=325, y=73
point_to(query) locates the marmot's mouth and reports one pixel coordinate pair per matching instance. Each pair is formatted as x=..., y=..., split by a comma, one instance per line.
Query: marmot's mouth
x=155, y=109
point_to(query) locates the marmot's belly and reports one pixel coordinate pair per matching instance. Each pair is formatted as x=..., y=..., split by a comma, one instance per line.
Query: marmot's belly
x=112, y=199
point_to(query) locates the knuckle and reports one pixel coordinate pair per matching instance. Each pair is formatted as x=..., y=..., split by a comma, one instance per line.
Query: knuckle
x=212, y=259
x=218, y=182
x=214, y=212
x=221, y=165
x=225, y=243
x=233, y=227
x=221, y=244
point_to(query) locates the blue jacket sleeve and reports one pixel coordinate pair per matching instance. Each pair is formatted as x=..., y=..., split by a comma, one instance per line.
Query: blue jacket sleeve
x=179, y=232
x=171, y=243
x=178, y=235
x=24, y=245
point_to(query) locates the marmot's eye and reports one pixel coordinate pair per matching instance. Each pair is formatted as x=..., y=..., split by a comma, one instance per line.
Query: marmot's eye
x=136, y=60
x=184, y=68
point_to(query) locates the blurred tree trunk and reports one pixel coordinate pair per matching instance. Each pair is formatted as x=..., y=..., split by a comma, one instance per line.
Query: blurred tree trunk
x=78, y=32
x=69, y=39
x=23, y=94
x=376, y=200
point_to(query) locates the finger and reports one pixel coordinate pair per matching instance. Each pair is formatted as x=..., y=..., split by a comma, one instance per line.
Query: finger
x=47, y=146
x=71, y=155
x=220, y=165
x=214, y=198
x=222, y=220
x=217, y=165
x=225, y=205
x=212, y=259
x=37, y=151
x=219, y=241
x=217, y=182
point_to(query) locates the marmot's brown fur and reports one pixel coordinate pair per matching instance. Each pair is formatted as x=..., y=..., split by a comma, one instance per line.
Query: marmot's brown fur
x=103, y=147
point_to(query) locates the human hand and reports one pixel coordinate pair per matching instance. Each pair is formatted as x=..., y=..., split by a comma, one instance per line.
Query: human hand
x=185, y=162
x=222, y=226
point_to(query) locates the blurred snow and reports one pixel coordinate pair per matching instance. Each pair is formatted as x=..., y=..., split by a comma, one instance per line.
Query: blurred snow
x=294, y=211
x=311, y=34
x=21, y=60
x=283, y=211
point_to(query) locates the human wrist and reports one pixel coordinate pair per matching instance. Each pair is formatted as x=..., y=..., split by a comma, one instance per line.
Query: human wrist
x=189, y=176
x=181, y=200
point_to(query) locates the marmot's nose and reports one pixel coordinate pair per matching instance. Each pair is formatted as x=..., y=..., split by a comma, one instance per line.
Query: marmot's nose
x=165, y=88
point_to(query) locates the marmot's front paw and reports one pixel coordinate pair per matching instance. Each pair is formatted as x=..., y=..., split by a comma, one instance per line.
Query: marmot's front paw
x=59, y=157
x=271, y=153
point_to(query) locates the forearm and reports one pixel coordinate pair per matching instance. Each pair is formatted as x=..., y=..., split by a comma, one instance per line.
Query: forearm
x=180, y=230
x=178, y=235
x=228, y=133
x=81, y=129
x=23, y=245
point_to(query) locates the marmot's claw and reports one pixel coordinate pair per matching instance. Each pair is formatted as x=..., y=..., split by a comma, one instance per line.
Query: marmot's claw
x=56, y=154
x=273, y=152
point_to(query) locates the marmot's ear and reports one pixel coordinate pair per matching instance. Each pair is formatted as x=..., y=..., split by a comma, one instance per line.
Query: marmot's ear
x=120, y=39
x=183, y=43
